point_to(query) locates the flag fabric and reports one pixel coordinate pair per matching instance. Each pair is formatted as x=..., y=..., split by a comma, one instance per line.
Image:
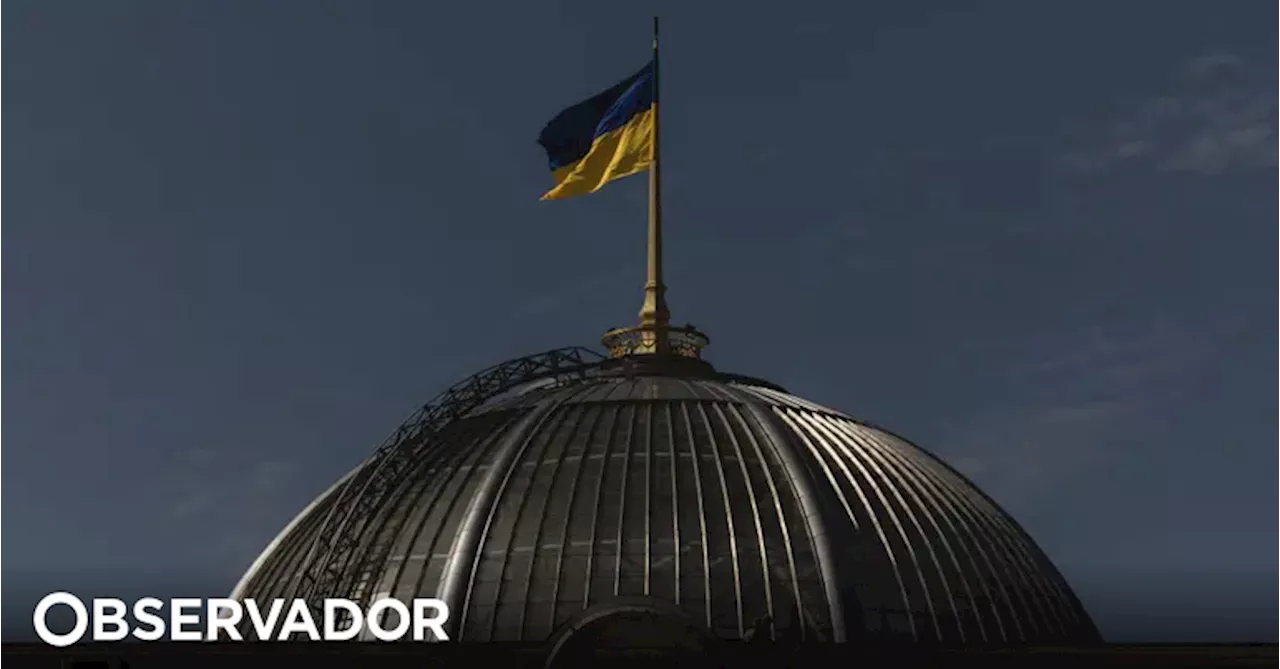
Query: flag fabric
x=605, y=138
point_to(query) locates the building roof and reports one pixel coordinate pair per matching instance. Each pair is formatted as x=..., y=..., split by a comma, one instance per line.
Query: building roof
x=721, y=497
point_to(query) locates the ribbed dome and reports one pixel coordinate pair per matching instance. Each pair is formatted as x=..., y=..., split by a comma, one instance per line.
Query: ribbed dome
x=721, y=498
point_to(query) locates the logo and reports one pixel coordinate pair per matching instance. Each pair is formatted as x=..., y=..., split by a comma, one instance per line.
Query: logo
x=223, y=619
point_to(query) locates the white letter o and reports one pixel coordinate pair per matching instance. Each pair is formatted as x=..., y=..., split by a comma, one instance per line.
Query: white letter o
x=42, y=609
x=373, y=620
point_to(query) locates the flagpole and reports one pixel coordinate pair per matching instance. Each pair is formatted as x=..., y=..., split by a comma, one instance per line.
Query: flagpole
x=653, y=314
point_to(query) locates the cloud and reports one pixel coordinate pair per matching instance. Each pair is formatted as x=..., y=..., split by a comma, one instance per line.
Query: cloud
x=1078, y=397
x=1219, y=117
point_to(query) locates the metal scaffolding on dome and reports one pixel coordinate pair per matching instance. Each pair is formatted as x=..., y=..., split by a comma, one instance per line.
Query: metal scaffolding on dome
x=327, y=567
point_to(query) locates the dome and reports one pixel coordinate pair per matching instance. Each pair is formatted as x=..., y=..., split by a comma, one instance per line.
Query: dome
x=549, y=491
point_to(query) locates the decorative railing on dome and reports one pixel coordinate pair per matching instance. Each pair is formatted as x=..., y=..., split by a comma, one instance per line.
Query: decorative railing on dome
x=684, y=342
x=333, y=559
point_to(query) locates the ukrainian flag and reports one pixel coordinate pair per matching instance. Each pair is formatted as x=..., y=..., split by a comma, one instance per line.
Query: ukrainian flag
x=607, y=137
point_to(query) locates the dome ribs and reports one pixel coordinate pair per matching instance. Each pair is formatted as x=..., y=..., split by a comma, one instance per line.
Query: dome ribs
x=368, y=569
x=822, y=452
x=359, y=495
x=918, y=542
x=435, y=519
x=748, y=487
x=555, y=492
x=975, y=523
x=775, y=537
x=673, y=500
x=812, y=539
x=964, y=601
x=895, y=539
x=622, y=478
x=467, y=565
x=724, y=544
x=971, y=531
x=591, y=568
x=572, y=512
x=703, y=541
x=549, y=577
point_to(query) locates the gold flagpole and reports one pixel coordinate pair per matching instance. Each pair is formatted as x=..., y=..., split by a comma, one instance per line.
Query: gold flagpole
x=654, y=316
x=654, y=335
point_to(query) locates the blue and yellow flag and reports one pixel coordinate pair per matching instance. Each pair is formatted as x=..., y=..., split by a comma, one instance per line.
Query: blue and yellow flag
x=607, y=137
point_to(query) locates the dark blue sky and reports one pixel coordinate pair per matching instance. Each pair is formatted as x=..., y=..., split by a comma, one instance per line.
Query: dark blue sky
x=244, y=239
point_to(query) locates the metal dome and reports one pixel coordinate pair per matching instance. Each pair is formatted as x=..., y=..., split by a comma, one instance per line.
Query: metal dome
x=554, y=489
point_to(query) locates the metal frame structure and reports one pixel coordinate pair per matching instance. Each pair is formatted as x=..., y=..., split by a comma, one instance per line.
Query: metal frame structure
x=326, y=566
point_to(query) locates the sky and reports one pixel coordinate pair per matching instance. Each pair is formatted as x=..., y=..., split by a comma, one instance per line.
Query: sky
x=243, y=240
